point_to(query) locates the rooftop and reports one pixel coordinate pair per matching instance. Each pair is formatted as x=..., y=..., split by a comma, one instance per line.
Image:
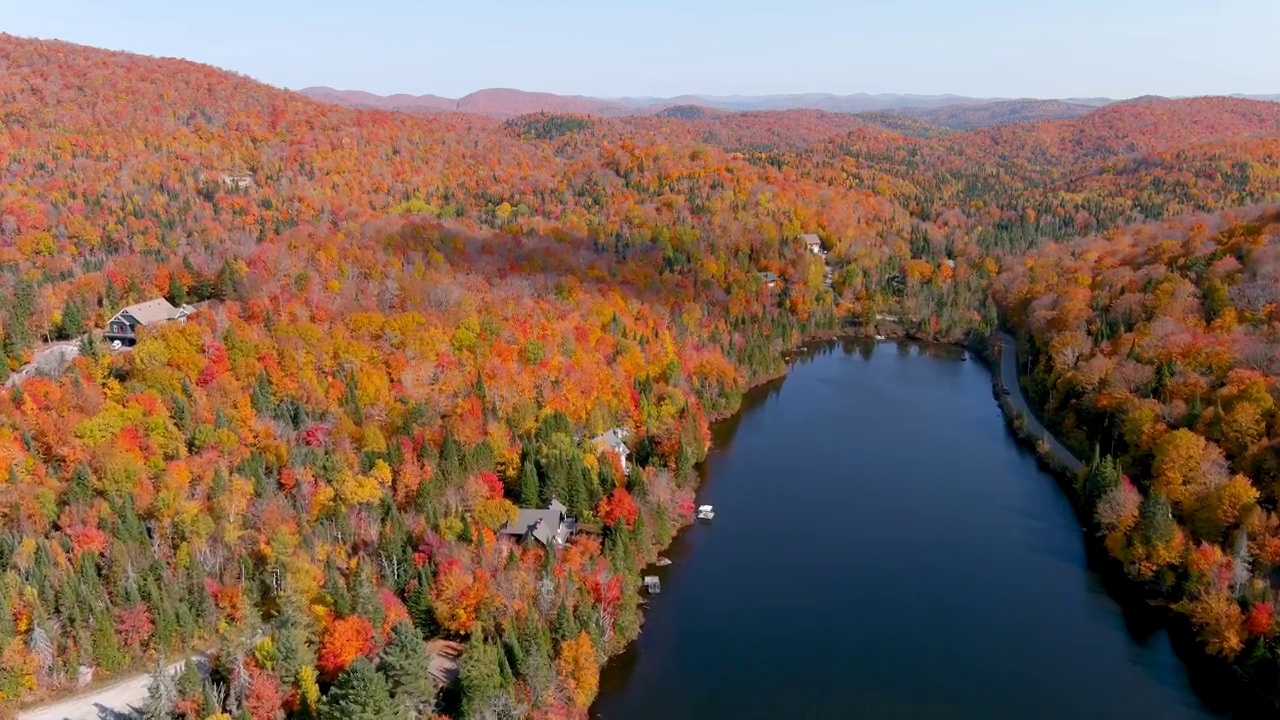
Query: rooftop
x=611, y=440
x=546, y=525
x=154, y=311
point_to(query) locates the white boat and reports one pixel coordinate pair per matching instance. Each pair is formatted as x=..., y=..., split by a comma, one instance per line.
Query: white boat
x=880, y=337
x=652, y=584
x=662, y=562
x=706, y=512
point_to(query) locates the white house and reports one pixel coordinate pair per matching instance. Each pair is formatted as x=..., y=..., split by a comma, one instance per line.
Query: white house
x=612, y=441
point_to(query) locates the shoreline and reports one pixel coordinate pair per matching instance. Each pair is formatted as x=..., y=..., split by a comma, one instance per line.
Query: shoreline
x=1216, y=683
x=1210, y=679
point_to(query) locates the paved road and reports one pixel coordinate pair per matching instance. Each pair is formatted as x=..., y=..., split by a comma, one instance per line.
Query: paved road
x=1009, y=379
x=123, y=699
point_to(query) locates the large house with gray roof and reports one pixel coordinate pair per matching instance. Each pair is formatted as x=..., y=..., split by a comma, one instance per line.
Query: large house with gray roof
x=123, y=328
x=550, y=526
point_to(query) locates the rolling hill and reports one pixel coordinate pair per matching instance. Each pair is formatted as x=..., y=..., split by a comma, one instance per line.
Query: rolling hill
x=407, y=322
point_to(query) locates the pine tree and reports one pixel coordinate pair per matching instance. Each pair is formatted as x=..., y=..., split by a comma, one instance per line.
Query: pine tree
x=480, y=675
x=71, y=324
x=530, y=490
x=293, y=647
x=360, y=693
x=566, y=625
x=161, y=695
x=535, y=664
x=177, y=290
x=364, y=596
x=405, y=665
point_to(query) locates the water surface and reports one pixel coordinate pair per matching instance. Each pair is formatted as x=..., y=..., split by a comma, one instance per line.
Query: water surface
x=882, y=548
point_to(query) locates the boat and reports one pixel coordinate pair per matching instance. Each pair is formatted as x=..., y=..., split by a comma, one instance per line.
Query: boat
x=662, y=562
x=652, y=584
x=706, y=512
x=880, y=337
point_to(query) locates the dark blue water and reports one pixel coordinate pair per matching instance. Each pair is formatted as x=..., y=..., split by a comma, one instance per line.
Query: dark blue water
x=883, y=549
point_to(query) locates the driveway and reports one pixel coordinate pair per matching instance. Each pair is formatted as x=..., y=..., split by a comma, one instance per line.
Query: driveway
x=122, y=699
x=48, y=360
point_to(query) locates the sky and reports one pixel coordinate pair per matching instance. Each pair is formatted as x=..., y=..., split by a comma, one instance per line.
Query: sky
x=663, y=48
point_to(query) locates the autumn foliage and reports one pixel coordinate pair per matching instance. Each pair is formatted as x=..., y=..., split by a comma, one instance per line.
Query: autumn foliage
x=407, y=326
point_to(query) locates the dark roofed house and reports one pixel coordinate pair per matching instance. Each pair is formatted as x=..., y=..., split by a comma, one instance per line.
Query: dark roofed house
x=549, y=526
x=123, y=328
x=612, y=442
x=769, y=279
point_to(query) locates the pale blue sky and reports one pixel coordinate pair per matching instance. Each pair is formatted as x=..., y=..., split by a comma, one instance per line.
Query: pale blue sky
x=1037, y=48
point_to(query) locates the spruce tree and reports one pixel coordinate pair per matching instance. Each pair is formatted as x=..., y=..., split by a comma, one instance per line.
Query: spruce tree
x=480, y=675
x=360, y=693
x=162, y=695
x=530, y=489
x=293, y=647
x=405, y=665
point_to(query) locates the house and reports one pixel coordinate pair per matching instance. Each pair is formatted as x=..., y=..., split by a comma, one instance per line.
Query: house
x=612, y=442
x=238, y=180
x=123, y=328
x=813, y=243
x=769, y=279
x=548, y=526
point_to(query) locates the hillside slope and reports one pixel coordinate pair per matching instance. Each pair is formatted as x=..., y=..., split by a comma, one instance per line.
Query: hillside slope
x=407, y=324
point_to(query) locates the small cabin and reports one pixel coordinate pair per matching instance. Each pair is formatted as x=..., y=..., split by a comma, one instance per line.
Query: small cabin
x=812, y=243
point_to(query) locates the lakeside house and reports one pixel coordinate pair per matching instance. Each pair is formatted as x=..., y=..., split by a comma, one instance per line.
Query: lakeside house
x=812, y=243
x=123, y=327
x=550, y=526
x=612, y=441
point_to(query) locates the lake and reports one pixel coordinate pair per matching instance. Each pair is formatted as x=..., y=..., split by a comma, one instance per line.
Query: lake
x=882, y=548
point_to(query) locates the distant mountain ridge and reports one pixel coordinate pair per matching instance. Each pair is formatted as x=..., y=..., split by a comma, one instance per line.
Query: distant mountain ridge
x=956, y=112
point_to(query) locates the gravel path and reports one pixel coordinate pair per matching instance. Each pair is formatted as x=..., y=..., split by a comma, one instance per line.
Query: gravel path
x=119, y=700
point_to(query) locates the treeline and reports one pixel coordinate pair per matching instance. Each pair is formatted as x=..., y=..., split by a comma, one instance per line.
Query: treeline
x=1154, y=350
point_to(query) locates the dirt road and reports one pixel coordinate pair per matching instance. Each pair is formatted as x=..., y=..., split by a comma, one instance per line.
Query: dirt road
x=123, y=699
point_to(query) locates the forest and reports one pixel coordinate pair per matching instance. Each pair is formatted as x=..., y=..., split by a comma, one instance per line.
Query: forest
x=407, y=326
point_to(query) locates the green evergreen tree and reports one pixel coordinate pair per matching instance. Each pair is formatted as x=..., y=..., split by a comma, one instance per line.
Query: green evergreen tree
x=364, y=595
x=71, y=325
x=360, y=693
x=1156, y=525
x=177, y=290
x=530, y=489
x=566, y=625
x=162, y=695
x=336, y=589
x=294, y=650
x=480, y=676
x=405, y=664
x=108, y=653
x=535, y=661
